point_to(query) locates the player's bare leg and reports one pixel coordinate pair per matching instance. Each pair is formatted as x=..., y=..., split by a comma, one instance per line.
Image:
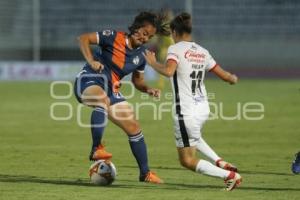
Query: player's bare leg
x=123, y=116
x=187, y=158
x=95, y=97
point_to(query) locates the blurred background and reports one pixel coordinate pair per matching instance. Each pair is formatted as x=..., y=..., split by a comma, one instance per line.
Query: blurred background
x=44, y=149
x=255, y=38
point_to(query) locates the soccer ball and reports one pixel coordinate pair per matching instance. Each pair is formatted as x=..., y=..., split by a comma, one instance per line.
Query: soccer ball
x=103, y=172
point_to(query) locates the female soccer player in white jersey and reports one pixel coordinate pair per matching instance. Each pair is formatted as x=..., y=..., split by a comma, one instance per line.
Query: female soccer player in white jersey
x=186, y=64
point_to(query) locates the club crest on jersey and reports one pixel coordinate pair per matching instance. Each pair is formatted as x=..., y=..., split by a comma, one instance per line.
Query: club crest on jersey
x=136, y=60
x=107, y=32
x=194, y=48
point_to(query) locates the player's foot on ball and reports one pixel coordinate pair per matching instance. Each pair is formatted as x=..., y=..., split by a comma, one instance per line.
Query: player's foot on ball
x=100, y=154
x=296, y=164
x=151, y=177
x=226, y=165
x=232, y=181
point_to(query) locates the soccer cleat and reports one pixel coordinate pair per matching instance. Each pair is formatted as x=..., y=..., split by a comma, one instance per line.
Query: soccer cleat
x=232, y=181
x=296, y=164
x=151, y=177
x=100, y=154
x=225, y=165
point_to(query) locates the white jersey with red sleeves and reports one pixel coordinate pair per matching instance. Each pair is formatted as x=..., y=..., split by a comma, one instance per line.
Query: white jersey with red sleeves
x=187, y=82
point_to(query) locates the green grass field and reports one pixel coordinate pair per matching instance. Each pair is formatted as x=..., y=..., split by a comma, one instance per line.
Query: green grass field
x=41, y=158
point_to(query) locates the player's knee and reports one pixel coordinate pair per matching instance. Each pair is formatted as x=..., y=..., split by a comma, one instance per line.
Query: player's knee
x=104, y=104
x=186, y=162
x=133, y=127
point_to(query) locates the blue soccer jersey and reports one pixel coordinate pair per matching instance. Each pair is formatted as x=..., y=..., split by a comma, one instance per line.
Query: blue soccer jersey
x=117, y=58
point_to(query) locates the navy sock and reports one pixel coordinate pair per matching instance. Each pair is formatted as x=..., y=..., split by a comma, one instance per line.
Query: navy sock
x=139, y=150
x=98, y=123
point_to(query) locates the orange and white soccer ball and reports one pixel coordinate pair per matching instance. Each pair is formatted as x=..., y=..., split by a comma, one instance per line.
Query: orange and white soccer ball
x=103, y=172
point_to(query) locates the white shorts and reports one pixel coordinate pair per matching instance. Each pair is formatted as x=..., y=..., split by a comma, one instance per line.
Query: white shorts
x=188, y=127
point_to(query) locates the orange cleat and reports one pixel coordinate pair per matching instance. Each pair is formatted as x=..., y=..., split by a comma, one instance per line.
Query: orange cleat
x=232, y=181
x=100, y=154
x=151, y=177
x=225, y=165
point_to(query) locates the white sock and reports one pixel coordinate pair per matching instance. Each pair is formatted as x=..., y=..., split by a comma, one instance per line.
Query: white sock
x=204, y=148
x=205, y=167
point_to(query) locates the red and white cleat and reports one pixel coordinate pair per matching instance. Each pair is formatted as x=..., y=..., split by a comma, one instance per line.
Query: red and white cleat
x=232, y=181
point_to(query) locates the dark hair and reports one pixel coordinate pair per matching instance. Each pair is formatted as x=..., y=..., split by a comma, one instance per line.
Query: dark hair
x=157, y=20
x=182, y=24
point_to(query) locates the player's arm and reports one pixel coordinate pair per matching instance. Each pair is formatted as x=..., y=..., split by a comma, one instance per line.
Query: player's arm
x=139, y=83
x=167, y=69
x=224, y=75
x=85, y=40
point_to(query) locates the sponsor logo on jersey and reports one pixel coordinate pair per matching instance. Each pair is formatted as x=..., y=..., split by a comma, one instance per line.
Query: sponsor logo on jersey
x=136, y=60
x=193, y=56
x=107, y=32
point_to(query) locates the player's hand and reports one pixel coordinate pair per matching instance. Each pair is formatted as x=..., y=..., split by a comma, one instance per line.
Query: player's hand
x=97, y=66
x=233, y=79
x=150, y=57
x=153, y=92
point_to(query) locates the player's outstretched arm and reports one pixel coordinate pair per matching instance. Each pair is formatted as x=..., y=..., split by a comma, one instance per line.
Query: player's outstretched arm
x=139, y=83
x=167, y=70
x=224, y=75
x=85, y=40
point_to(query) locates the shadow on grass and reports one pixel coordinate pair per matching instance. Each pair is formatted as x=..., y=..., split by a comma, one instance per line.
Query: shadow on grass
x=35, y=179
x=120, y=184
x=241, y=172
x=155, y=167
x=124, y=184
x=267, y=173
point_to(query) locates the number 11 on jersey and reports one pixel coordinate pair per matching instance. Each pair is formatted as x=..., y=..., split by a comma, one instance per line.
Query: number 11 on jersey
x=196, y=77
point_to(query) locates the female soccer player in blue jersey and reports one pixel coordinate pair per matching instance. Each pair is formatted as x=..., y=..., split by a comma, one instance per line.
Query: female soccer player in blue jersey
x=97, y=85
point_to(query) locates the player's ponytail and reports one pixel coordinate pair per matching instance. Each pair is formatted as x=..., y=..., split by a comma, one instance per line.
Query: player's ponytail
x=157, y=20
x=163, y=23
x=182, y=24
